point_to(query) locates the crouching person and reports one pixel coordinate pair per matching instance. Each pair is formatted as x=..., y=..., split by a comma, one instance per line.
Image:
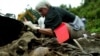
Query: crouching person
x=54, y=16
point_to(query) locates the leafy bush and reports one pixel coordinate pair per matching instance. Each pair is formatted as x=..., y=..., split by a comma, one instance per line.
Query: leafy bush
x=91, y=11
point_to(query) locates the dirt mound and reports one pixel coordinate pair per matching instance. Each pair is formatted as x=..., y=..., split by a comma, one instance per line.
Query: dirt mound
x=15, y=42
x=29, y=45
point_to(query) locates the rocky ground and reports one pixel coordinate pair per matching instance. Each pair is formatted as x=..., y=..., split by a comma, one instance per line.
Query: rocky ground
x=30, y=45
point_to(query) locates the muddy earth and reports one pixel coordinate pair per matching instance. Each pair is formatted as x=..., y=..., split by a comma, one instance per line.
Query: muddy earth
x=22, y=41
x=29, y=45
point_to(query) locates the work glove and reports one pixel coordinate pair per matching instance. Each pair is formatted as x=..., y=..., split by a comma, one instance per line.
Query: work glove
x=31, y=25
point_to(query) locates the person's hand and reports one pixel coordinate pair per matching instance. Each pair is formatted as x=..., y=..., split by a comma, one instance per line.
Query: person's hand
x=28, y=23
x=31, y=25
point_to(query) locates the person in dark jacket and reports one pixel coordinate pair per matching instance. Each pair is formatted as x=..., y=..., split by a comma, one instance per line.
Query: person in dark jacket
x=54, y=16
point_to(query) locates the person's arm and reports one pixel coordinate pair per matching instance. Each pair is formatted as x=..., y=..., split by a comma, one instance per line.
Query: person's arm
x=46, y=31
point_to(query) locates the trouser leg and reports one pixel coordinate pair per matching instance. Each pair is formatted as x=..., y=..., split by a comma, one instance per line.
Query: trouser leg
x=75, y=33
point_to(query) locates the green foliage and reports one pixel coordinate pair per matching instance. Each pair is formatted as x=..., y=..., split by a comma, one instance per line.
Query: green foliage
x=32, y=15
x=35, y=13
x=91, y=11
x=64, y=6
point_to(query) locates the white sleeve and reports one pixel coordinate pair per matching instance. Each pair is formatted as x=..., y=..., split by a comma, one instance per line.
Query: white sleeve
x=41, y=22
